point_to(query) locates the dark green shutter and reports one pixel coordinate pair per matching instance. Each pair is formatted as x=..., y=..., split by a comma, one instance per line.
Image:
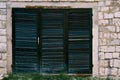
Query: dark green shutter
x=79, y=41
x=52, y=42
x=25, y=41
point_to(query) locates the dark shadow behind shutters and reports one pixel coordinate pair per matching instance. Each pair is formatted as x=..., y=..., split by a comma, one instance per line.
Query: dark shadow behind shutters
x=79, y=41
x=25, y=44
x=52, y=42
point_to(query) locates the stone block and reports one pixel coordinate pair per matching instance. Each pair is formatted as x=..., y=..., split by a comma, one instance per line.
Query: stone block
x=107, y=70
x=103, y=22
x=3, y=11
x=108, y=55
x=107, y=48
x=108, y=2
x=107, y=35
x=101, y=35
x=114, y=42
x=116, y=55
x=102, y=71
x=3, y=39
x=3, y=47
x=104, y=63
x=114, y=71
x=2, y=32
x=3, y=64
x=116, y=22
x=117, y=48
x=3, y=17
x=113, y=35
x=4, y=56
x=117, y=14
x=101, y=55
x=108, y=15
x=100, y=15
x=116, y=63
x=118, y=35
x=101, y=3
x=3, y=24
x=104, y=8
x=102, y=41
x=2, y=4
x=110, y=28
x=3, y=70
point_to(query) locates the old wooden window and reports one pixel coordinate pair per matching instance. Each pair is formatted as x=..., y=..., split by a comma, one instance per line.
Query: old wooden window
x=52, y=40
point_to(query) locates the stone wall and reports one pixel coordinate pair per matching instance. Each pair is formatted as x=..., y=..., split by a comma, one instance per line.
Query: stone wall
x=3, y=39
x=108, y=37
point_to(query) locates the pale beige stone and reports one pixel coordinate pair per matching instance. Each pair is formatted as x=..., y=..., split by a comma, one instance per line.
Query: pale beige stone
x=118, y=48
x=3, y=39
x=2, y=5
x=102, y=42
x=114, y=42
x=104, y=63
x=2, y=17
x=116, y=55
x=107, y=70
x=3, y=70
x=117, y=14
x=3, y=64
x=101, y=55
x=100, y=15
x=108, y=55
x=3, y=24
x=110, y=28
x=103, y=22
x=114, y=71
x=2, y=32
x=108, y=15
x=102, y=71
x=101, y=3
x=104, y=8
x=4, y=56
x=3, y=47
x=107, y=48
x=113, y=35
x=108, y=2
x=117, y=63
x=107, y=35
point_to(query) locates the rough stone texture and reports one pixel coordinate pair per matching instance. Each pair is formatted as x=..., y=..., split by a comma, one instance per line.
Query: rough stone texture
x=2, y=5
x=109, y=38
x=117, y=14
x=3, y=47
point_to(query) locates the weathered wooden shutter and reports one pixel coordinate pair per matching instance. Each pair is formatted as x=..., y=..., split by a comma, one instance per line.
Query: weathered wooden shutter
x=25, y=41
x=79, y=41
x=52, y=40
x=52, y=50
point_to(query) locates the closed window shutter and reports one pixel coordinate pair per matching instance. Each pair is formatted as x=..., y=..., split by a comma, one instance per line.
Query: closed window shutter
x=79, y=41
x=52, y=40
x=52, y=55
x=25, y=44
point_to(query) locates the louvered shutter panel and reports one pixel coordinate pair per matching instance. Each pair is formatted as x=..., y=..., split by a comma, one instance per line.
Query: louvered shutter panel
x=52, y=51
x=79, y=41
x=25, y=41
